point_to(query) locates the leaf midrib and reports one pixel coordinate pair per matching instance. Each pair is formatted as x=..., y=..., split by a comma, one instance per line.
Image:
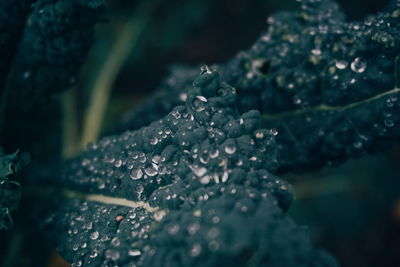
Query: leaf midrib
x=323, y=107
x=109, y=200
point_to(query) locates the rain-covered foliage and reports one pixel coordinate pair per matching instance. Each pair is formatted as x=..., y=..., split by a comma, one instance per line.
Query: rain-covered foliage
x=211, y=167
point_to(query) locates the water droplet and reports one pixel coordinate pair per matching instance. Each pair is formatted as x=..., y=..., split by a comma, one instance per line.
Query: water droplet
x=118, y=163
x=316, y=52
x=154, y=141
x=150, y=171
x=198, y=171
x=136, y=174
x=357, y=145
x=195, y=250
x=204, y=158
x=225, y=176
x=172, y=230
x=93, y=254
x=158, y=215
x=214, y=154
x=215, y=219
x=89, y=225
x=259, y=135
x=94, y=235
x=162, y=170
x=119, y=218
x=193, y=228
x=139, y=188
x=204, y=69
x=112, y=254
x=358, y=65
x=230, y=149
x=183, y=97
x=297, y=100
x=205, y=180
x=201, y=98
x=213, y=245
x=115, y=242
x=176, y=114
x=26, y=75
x=134, y=252
x=197, y=213
x=389, y=123
x=341, y=64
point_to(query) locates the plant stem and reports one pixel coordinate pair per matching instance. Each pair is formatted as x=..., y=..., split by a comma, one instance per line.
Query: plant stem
x=101, y=90
x=70, y=145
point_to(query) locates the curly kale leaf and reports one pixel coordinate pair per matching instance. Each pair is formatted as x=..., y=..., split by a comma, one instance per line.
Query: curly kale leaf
x=329, y=86
x=13, y=14
x=54, y=43
x=193, y=185
x=10, y=190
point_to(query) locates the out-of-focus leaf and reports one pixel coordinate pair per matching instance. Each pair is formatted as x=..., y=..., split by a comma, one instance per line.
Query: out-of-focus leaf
x=10, y=191
x=53, y=46
x=13, y=14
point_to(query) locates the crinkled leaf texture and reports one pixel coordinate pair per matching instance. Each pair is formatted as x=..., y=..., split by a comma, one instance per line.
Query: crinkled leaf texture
x=51, y=39
x=192, y=189
x=10, y=190
x=329, y=86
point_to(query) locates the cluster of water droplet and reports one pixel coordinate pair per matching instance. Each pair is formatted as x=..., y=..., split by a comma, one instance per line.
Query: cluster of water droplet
x=193, y=155
x=305, y=58
x=200, y=143
x=314, y=56
x=236, y=223
x=95, y=234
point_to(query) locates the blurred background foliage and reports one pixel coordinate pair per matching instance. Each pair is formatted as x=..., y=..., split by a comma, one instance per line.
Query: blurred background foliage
x=353, y=209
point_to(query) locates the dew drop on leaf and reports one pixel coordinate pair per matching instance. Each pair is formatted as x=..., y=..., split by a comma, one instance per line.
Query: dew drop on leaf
x=358, y=65
x=195, y=250
x=230, y=149
x=94, y=235
x=136, y=174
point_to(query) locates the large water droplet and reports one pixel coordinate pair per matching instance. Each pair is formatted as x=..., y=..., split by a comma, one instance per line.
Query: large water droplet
x=150, y=171
x=94, y=235
x=136, y=174
x=358, y=65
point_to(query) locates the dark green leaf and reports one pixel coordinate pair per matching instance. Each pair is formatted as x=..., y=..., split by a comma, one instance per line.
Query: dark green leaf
x=54, y=44
x=10, y=191
x=194, y=185
x=328, y=85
